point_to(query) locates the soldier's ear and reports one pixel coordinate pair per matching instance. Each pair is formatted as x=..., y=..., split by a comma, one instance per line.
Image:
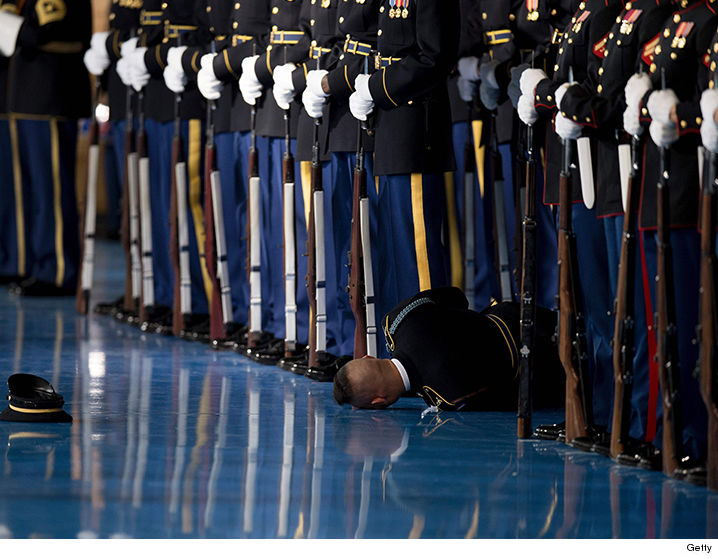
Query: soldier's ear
x=380, y=403
x=368, y=357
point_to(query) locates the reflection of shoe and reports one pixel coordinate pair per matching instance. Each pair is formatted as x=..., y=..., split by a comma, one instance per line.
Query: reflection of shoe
x=326, y=373
x=691, y=471
x=33, y=287
x=158, y=320
x=196, y=328
x=550, y=432
x=109, y=307
x=235, y=334
x=640, y=454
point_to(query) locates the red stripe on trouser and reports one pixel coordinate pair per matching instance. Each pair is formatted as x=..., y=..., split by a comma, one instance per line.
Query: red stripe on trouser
x=650, y=514
x=652, y=364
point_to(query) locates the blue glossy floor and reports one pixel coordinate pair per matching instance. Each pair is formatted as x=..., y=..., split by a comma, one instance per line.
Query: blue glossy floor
x=172, y=440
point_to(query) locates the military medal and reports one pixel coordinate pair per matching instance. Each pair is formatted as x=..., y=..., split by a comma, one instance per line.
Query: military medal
x=392, y=3
x=326, y=3
x=532, y=7
x=679, y=41
x=628, y=20
x=405, y=11
x=579, y=22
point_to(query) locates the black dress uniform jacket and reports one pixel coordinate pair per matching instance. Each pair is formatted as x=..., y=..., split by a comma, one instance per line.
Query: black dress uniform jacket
x=679, y=49
x=124, y=22
x=589, y=24
x=48, y=76
x=457, y=358
x=600, y=109
x=470, y=44
x=413, y=120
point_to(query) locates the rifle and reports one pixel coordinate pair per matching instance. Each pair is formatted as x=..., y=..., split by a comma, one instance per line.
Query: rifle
x=571, y=327
x=254, y=269
x=623, y=333
x=708, y=329
x=361, y=278
x=143, y=165
x=528, y=294
x=179, y=228
x=503, y=265
x=220, y=310
x=290, y=242
x=469, y=224
x=666, y=329
x=90, y=213
x=316, y=272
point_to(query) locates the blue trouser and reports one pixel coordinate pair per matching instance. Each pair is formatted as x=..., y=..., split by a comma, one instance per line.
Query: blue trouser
x=409, y=255
x=114, y=173
x=596, y=301
x=234, y=208
x=613, y=231
x=685, y=247
x=46, y=151
x=9, y=264
x=338, y=208
x=159, y=149
x=272, y=226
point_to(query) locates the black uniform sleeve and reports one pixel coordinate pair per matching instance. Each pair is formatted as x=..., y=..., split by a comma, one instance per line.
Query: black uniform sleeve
x=55, y=20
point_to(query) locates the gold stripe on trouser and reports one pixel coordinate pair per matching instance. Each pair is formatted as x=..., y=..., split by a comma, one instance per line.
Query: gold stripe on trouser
x=19, y=206
x=479, y=152
x=305, y=171
x=57, y=201
x=417, y=210
x=457, y=268
x=205, y=411
x=194, y=156
x=417, y=527
x=474, y=527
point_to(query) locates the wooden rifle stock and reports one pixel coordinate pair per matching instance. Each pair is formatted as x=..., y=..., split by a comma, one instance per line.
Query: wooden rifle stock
x=528, y=297
x=708, y=329
x=571, y=334
x=216, y=320
x=623, y=332
x=88, y=215
x=356, y=264
x=316, y=185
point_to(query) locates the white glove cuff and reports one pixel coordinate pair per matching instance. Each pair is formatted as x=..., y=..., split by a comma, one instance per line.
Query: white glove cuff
x=314, y=82
x=560, y=92
x=174, y=56
x=361, y=85
x=660, y=104
x=530, y=78
x=10, y=25
x=128, y=46
x=468, y=68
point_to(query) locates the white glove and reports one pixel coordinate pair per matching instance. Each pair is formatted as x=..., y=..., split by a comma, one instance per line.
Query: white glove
x=128, y=47
x=207, y=83
x=467, y=89
x=659, y=105
x=530, y=78
x=123, y=67
x=283, y=89
x=314, y=97
x=631, y=122
x=174, y=74
x=361, y=103
x=636, y=87
x=469, y=68
x=663, y=135
x=96, y=58
x=560, y=92
x=709, y=128
x=566, y=128
x=526, y=109
x=249, y=86
x=139, y=75
x=10, y=25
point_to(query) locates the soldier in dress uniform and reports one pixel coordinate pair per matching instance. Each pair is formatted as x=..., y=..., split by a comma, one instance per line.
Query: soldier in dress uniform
x=677, y=52
x=11, y=268
x=417, y=47
x=598, y=109
x=540, y=95
x=47, y=40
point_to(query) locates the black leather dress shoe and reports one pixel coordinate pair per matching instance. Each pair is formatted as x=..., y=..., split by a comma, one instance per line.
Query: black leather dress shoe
x=158, y=320
x=640, y=454
x=242, y=344
x=550, y=432
x=8, y=280
x=324, y=359
x=288, y=363
x=235, y=335
x=597, y=438
x=33, y=287
x=109, y=308
x=267, y=354
x=691, y=471
x=196, y=328
x=327, y=372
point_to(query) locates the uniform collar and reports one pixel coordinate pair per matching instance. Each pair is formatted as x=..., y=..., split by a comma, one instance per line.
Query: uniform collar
x=402, y=372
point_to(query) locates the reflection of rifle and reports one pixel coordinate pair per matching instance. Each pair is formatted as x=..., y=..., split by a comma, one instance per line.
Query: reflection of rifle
x=469, y=215
x=528, y=294
x=708, y=329
x=571, y=327
x=503, y=266
x=623, y=334
x=316, y=272
x=666, y=329
x=290, y=245
x=90, y=213
x=143, y=166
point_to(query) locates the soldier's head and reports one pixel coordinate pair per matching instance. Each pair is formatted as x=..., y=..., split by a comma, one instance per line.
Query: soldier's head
x=368, y=383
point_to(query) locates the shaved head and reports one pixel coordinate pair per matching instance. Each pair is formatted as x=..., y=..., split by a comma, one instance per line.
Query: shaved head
x=368, y=383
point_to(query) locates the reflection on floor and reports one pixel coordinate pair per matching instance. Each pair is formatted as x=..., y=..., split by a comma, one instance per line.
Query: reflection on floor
x=171, y=439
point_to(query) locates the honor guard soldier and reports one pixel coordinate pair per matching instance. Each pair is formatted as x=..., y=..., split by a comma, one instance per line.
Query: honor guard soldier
x=417, y=44
x=49, y=91
x=101, y=61
x=217, y=79
x=591, y=321
x=11, y=267
x=667, y=101
x=598, y=108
